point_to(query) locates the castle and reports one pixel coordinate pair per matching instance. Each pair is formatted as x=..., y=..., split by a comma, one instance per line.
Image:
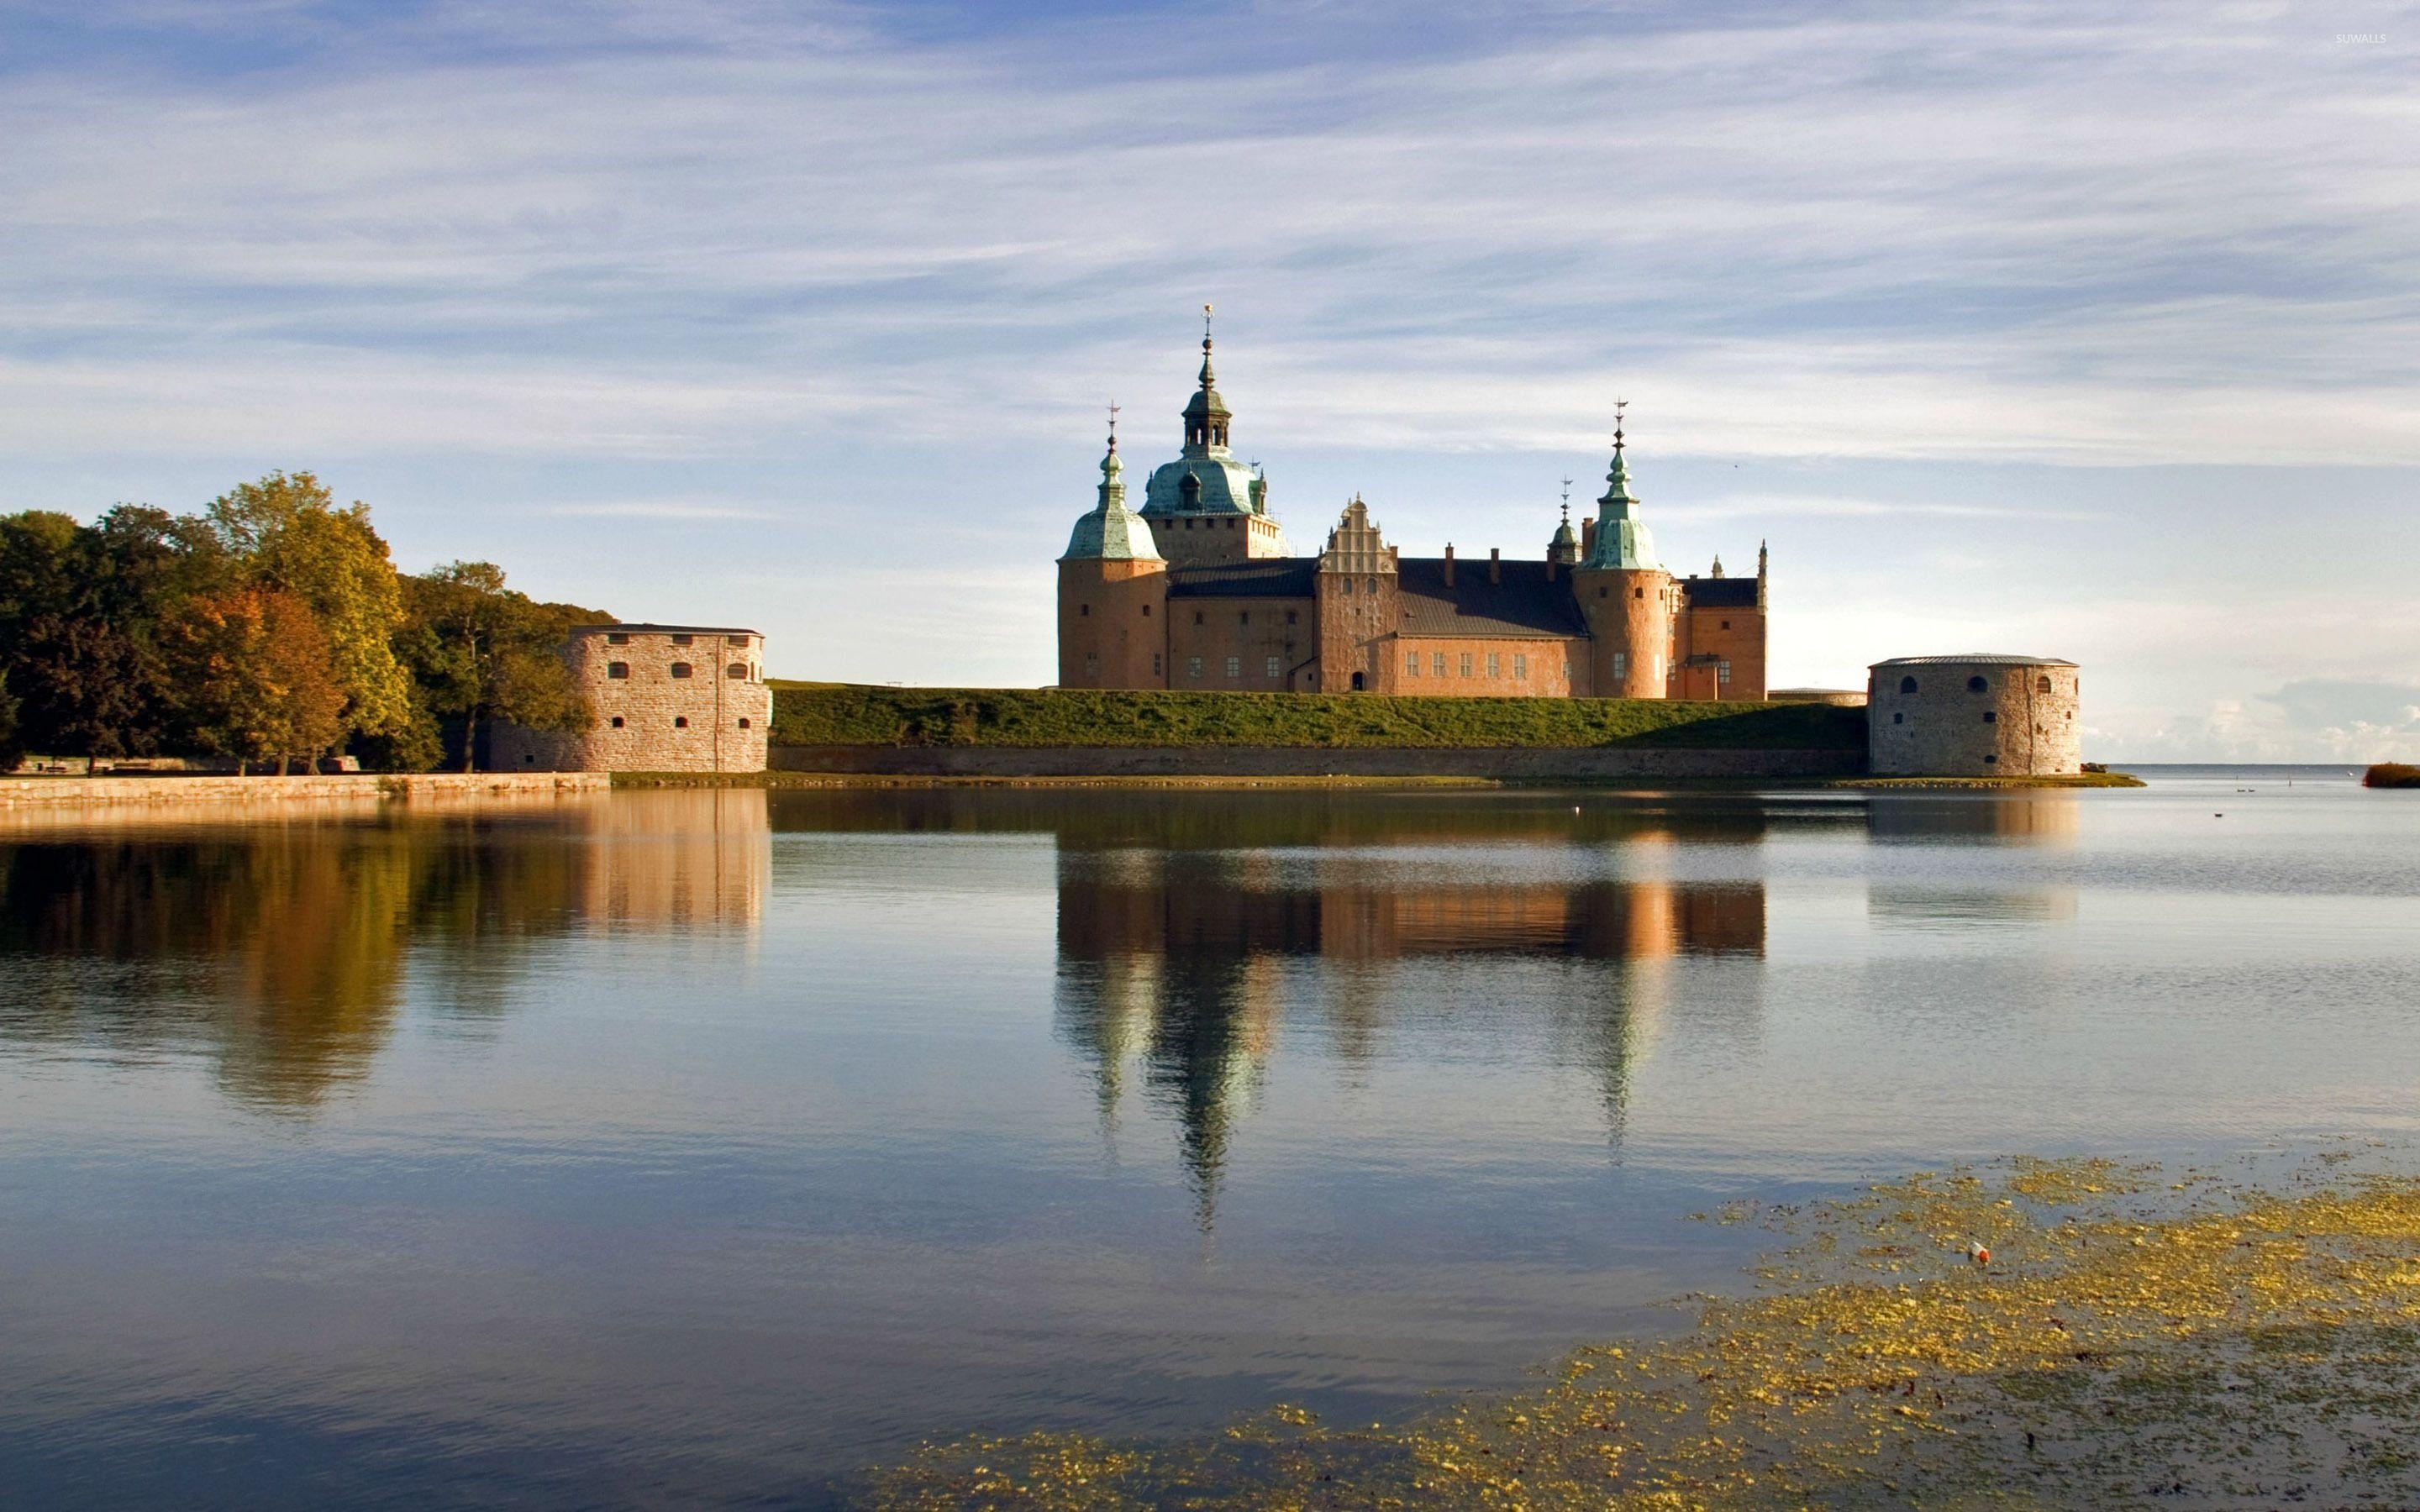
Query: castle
x=1197, y=590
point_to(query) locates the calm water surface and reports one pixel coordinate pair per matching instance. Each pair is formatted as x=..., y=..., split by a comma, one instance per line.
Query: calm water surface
x=685, y=1147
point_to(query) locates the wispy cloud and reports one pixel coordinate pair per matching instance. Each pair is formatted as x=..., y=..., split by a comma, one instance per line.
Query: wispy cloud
x=670, y=509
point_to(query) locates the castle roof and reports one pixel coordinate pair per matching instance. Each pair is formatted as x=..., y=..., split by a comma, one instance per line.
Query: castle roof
x=1720, y=593
x=1983, y=659
x=1525, y=603
x=635, y=629
x=1258, y=578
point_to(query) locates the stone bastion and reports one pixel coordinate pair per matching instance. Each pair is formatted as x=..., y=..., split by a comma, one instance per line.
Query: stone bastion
x=1980, y=715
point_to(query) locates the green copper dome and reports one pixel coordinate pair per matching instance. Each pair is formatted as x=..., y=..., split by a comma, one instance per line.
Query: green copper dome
x=1622, y=539
x=1111, y=531
x=1205, y=479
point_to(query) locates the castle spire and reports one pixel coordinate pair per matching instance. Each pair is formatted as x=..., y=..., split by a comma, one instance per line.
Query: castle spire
x=1621, y=540
x=1206, y=413
x=1111, y=531
x=1565, y=547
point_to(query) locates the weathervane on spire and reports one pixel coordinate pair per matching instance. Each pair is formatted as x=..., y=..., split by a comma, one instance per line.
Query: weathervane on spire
x=1113, y=424
x=1619, y=405
x=1567, y=500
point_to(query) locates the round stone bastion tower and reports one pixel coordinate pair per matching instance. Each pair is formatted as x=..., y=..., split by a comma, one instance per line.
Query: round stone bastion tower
x=1975, y=716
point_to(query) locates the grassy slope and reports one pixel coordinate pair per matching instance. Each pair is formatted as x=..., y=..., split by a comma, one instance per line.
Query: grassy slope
x=842, y=714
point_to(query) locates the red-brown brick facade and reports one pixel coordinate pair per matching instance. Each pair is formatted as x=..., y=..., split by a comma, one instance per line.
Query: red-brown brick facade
x=1197, y=590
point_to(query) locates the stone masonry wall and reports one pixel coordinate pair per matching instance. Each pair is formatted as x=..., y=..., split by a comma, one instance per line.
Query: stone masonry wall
x=2021, y=722
x=648, y=716
x=1547, y=764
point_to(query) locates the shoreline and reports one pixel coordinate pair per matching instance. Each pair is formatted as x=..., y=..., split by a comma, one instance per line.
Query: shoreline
x=22, y=793
x=795, y=780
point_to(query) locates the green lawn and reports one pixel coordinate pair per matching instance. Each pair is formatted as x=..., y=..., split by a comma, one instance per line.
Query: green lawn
x=824, y=714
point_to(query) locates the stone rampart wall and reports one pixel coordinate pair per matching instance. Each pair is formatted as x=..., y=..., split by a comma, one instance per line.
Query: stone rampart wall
x=664, y=702
x=1574, y=763
x=1977, y=718
x=18, y=793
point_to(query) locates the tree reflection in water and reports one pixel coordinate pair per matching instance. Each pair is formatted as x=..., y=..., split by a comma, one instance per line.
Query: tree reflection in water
x=284, y=946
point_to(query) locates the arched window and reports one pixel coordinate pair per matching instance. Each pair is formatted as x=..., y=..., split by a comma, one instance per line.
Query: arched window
x=1906, y=685
x=1191, y=490
x=737, y=672
x=682, y=668
x=1977, y=685
x=2042, y=686
x=680, y=722
x=743, y=724
x=1358, y=682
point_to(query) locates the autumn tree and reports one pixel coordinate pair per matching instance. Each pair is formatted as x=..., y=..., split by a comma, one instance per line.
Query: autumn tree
x=259, y=673
x=286, y=534
x=481, y=653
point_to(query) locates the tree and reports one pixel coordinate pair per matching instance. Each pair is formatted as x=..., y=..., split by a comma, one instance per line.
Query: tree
x=13, y=751
x=481, y=652
x=261, y=674
x=287, y=534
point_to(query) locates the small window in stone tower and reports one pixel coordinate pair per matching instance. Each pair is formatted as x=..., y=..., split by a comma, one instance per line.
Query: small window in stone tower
x=1727, y=625
x=618, y=670
x=1898, y=718
x=737, y=672
x=617, y=637
x=682, y=668
x=1371, y=586
x=1245, y=617
x=1991, y=716
x=1907, y=685
x=2042, y=686
x=1289, y=616
x=680, y=639
x=744, y=725
x=1146, y=612
x=1601, y=592
x=1083, y=612
x=681, y=723
x=1977, y=685
x=618, y=721
x=1197, y=616
x=739, y=641
x=1638, y=593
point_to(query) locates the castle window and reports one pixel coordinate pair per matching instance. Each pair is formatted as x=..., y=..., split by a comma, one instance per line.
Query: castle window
x=617, y=637
x=1723, y=672
x=1466, y=664
x=618, y=721
x=1520, y=667
x=618, y=670
x=1601, y=592
x=1990, y=717
x=1344, y=585
x=1083, y=612
x=1092, y=664
x=1371, y=586
x=1273, y=670
x=739, y=641
x=1243, y=618
x=744, y=725
x=1155, y=664
x=681, y=723
x=1437, y=665
x=1230, y=522
x=1977, y=685
x=737, y=672
x=680, y=639
x=1193, y=666
x=1411, y=664
x=682, y=668
x=1495, y=664
x=1289, y=616
x=1907, y=685
x=1898, y=718
x=1146, y=612
x=1621, y=664
x=1638, y=593
x=1992, y=760
x=1235, y=666
x=1197, y=616
x=1727, y=625
x=2043, y=686
x=1190, y=490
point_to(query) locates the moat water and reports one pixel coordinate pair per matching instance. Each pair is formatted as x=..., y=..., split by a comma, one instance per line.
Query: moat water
x=700, y=1148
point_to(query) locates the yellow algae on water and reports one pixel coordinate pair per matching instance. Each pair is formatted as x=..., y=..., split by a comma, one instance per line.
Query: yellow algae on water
x=2134, y=1339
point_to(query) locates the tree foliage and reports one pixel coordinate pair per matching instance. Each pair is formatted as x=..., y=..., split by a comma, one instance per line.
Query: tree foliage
x=231, y=631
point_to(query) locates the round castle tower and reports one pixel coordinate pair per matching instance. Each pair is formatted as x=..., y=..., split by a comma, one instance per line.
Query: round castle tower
x=1624, y=593
x=1982, y=715
x=1110, y=579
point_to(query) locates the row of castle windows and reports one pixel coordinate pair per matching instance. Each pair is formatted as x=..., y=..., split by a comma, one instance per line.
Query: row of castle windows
x=1273, y=667
x=679, y=722
x=1495, y=664
x=620, y=671
x=622, y=638
x=1989, y=717
x=1975, y=684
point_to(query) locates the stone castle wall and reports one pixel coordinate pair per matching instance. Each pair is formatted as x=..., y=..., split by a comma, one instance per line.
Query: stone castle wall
x=665, y=700
x=1549, y=764
x=1973, y=718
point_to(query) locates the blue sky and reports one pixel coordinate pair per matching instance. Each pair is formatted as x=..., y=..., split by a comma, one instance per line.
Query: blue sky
x=2086, y=330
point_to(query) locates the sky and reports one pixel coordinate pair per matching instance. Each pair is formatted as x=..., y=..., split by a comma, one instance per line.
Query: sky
x=2084, y=331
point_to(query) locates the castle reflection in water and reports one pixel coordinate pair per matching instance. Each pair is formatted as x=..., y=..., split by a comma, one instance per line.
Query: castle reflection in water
x=1190, y=927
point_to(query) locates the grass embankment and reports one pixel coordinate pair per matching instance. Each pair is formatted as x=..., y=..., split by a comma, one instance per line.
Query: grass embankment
x=2137, y=1337
x=2391, y=775
x=827, y=715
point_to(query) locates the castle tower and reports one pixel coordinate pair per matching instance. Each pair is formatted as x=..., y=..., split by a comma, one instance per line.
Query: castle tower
x=1357, y=605
x=1624, y=593
x=1112, y=592
x=1563, y=549
x=1206, y=506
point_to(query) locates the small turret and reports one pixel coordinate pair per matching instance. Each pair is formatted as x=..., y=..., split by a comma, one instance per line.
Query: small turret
x=1111, y=531
x=1205, y=414
x=1563, y=550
